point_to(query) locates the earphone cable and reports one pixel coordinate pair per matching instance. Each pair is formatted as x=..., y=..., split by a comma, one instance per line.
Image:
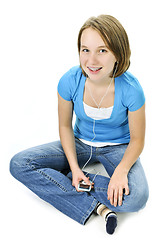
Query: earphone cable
x=91, y=146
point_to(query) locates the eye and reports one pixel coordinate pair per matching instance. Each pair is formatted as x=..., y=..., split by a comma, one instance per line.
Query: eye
x=102, y=50
x=85, y=50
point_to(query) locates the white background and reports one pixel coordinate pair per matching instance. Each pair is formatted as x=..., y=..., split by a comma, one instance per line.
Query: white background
x=38, y=44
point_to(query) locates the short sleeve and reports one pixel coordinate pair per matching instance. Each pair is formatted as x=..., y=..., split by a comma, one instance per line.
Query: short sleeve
x=64, y=86
x=135, y=97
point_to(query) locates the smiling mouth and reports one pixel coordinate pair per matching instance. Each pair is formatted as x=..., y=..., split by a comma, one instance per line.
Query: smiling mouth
x=94, y=69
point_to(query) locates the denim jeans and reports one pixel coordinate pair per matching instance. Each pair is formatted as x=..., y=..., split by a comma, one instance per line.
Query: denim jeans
x=45, y=171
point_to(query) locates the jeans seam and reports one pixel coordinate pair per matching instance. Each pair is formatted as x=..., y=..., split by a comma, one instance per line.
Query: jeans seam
x=88, y=211
x=48, y=177
x=53, y=155
x=100, y=189
x=52, y=180
x=42, y=156
x=113, y=165
x=84, y=153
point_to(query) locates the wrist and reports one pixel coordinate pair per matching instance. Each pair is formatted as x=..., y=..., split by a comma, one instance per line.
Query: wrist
x=74, y=167
x=122, y=169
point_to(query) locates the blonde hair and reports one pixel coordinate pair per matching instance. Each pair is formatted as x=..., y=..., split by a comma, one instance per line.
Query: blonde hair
x=115, y=38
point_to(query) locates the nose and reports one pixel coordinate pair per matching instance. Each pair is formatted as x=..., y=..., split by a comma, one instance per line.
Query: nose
x=93, y=59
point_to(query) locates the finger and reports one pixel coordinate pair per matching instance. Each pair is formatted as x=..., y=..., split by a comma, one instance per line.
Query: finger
x=111, y=196
x=120, y=198
x=87, y=180
x=108, y=195
x=115, y=198
x=73, y=183
x=108, y=192
x=76, y=186
x=127, y=190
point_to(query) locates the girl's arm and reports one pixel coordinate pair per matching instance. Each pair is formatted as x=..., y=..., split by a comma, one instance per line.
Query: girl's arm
x=119, y=179
x=65, y=114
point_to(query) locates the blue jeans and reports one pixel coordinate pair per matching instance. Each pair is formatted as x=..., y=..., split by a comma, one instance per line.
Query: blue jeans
x=45, y=171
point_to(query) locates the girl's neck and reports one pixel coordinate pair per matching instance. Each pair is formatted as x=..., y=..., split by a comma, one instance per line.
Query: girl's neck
x=100, y=83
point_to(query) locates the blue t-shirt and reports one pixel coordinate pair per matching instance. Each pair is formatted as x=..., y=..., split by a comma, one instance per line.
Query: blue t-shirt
x=129, y=96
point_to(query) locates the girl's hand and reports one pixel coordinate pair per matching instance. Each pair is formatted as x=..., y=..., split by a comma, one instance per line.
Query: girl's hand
x=77, y=176
x=118, y=183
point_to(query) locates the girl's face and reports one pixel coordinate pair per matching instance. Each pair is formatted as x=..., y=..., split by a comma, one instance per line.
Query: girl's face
x=95, y=58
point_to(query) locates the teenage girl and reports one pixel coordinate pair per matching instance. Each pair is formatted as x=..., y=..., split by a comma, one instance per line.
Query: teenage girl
x=109, y=104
